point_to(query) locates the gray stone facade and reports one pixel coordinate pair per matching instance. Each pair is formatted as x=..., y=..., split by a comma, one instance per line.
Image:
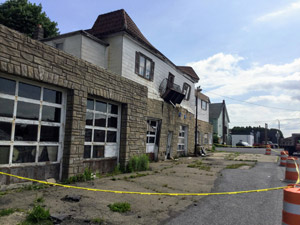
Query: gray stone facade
x=171, y=119
x=20, y=56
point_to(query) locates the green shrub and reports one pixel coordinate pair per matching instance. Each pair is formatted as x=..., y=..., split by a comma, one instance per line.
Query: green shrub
x=138, y=163
x=120, y=207
x=87, y=175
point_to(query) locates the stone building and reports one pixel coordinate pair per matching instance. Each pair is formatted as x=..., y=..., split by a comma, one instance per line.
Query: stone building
x=93, y=99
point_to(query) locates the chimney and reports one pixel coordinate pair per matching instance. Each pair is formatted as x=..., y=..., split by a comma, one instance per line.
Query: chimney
x=39, y=32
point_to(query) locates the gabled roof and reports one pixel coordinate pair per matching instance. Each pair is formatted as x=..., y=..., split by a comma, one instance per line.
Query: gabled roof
x=189, y=71
x=214, y=110
x=120, y=21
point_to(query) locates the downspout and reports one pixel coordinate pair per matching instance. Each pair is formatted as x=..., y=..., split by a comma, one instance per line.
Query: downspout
x=196, y=126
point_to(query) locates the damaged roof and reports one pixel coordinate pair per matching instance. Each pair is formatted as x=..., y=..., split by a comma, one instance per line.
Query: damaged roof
x=118, y=21
x=189, y=71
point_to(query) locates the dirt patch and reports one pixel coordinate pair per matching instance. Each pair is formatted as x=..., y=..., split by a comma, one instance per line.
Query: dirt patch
x=165, y=177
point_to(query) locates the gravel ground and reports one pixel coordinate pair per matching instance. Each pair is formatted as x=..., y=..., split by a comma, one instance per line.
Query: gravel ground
x=167, y=176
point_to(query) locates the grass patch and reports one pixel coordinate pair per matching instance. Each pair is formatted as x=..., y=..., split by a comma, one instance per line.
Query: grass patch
x=200, y=165
x=236, y=166
x=232, y=156
x=120, y=207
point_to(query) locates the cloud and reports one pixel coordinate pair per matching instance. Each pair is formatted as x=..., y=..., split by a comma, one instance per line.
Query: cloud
x=270, y=85
x=293, y=7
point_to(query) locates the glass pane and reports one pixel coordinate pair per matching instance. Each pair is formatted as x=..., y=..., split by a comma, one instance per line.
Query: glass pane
x=7, y=86
x=26, y=132
x=5, y=131
x=48, y=153
x=99, y=135
x=89, y=119
x=112, y=122
x=51, y=114
x=4, y=154
x=6, y=107
x=148, y=69
x=100, y=106
x=29, y=91
x=87, y=151
x=98, y=151
x=52, y=96
x=113, y=109
x=111, y=136
x=28, y=111
x=142, y=65
x=100, y=120
x=90, y=104
x=49, y=134
x=24, y=154
x=88, y=135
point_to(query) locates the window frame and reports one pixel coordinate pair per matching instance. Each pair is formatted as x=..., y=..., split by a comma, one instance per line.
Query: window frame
x=93, y=127
x=186, y=86
x=138, y=55
x=204, y=108
x=39, y=122
x=182, y=129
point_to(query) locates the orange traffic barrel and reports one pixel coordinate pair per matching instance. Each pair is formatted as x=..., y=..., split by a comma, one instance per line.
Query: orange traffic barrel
x=283, y=157
x=291, y=170
x=268, y=150
x=291, y=205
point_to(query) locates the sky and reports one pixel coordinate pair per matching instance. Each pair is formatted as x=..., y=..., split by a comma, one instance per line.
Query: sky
x=245, y=52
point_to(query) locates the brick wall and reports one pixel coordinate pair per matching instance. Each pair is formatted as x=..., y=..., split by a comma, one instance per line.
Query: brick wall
x=23, y=57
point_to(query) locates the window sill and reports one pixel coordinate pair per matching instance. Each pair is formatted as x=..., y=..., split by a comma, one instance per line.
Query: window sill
x=99, y=159
x=17, y=165
x=144, y=77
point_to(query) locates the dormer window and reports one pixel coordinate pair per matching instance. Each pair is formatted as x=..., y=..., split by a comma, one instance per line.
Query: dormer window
x=144, y=66
x=186, y=90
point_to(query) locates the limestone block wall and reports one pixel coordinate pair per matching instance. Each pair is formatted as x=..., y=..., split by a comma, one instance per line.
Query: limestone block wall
x=171, y=119
x=20, y=56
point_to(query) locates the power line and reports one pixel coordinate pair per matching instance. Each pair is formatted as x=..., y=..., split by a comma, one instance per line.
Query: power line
x=251, y=102
x=264, y=121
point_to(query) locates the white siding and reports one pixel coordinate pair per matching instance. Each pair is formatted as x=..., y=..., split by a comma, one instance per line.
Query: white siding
x=203, y=114
x=94, y=52
x=161, y=71
x=71, y=45
x=114, y=62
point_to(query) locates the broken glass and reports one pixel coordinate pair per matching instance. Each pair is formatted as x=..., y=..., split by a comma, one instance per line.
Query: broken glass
x=98, y=151
x=24, y=154
x=49, y=134
x=4, y=154
x=48, y=153
x=5, y=131
x=111, y=136
x=26, y=132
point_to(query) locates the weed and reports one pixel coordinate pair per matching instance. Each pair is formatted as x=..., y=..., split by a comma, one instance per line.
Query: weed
x=138, y=163
x=38, y=215
x=86, y=176
x=232, y=156
x=199, y=164
x=114, y=179
x=165, y=185
x=235, y=166
x=6, y=212
x=39, y=200
x=121, y=207
x=98, y=221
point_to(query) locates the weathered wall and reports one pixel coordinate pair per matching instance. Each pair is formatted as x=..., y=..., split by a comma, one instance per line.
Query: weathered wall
x=205, y=128
x=172, y=118
x=23, y=57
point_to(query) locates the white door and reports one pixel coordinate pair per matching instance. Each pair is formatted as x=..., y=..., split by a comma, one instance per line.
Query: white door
x=151, y=135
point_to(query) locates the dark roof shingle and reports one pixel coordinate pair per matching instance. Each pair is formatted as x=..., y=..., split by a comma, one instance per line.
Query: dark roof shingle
x=215, y=110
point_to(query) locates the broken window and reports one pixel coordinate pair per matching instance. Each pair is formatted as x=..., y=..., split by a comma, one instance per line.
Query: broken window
x=102, y=129
x=186, y=90
x=30, y=122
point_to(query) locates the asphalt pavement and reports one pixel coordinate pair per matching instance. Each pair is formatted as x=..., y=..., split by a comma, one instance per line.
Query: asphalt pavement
x=250, y=150
x=261, y=208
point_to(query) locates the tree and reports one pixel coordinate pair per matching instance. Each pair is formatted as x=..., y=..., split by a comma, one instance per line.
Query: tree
x=24, y=17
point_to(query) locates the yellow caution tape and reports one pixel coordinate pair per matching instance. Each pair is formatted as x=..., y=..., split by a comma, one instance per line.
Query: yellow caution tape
x=144, y=193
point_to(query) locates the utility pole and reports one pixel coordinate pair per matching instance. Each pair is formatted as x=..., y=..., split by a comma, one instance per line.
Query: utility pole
x=266, y=134
x=198, y=90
